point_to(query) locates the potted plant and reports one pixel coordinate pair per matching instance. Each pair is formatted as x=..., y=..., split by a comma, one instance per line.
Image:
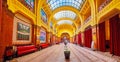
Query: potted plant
x=67, y=53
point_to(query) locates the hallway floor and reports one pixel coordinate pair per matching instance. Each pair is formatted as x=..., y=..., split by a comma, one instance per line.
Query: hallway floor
x=56, y=54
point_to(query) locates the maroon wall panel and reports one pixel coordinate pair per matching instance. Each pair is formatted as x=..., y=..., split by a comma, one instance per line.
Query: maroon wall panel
x=102, y=36
x=88, y=37
x=79, y=39
x=115, y=35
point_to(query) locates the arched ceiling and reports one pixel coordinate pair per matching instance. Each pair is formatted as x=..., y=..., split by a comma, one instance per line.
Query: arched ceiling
x=65, y=22
x=65, y=28
x=65, y=31
x=65, y=15
x=54, y=4
x=62, y=19
x=63, y=35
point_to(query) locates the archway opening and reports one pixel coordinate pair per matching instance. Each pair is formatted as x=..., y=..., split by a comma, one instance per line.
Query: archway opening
x=65, y=36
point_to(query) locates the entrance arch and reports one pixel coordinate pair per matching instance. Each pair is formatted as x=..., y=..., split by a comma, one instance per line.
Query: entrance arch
x=63, y=35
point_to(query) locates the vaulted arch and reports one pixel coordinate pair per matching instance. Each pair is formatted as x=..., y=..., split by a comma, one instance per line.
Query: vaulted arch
x=66, y=8
x=74, y=24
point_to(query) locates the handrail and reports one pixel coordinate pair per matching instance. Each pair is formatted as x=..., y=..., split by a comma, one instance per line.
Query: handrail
x=104, y=4
x=87, y=19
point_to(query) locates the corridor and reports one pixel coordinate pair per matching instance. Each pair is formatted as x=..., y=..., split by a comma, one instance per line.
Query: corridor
x=56, y=54
x=36, y=30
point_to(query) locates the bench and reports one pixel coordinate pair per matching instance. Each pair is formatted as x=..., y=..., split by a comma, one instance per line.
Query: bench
x=44, y=45
x=21, y=50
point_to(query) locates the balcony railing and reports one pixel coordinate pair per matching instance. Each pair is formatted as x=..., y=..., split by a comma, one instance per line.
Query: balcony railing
x=104, y=4
x=79, y=27
x=87, y=19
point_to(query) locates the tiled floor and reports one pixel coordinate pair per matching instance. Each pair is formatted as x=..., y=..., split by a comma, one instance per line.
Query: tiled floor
x=56, y=54
x=109, y=55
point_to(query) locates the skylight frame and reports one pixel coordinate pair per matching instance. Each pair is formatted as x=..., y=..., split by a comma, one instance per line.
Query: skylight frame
x=65, y=14
x=54, y=4
x=65, y=22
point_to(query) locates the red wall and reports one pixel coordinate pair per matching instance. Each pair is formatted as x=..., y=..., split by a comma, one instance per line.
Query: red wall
x=102, y=36
x=0, y=15
x=79, y=39
x=115, y=35
x=34, y=38
x=6, y=28
x=0, y=27
x=88, y=37
x=47, y=37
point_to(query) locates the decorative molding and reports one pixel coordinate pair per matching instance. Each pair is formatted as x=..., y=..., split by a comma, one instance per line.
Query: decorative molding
x=113, y=4
x=16, y=7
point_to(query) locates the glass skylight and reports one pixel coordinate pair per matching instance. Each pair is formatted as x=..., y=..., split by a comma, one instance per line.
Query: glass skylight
x=65, y=22
x=58, y=3
x=65, y=14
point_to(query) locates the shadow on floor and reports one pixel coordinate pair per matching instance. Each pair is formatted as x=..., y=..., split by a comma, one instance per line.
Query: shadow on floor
x=67, y=60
